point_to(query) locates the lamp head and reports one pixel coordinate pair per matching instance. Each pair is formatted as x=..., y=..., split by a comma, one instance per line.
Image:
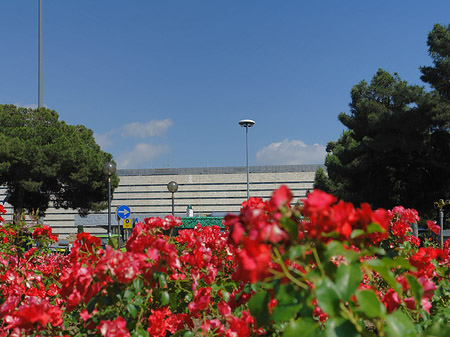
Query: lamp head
x=109, y=168
x=172, y=186
x=246, y=123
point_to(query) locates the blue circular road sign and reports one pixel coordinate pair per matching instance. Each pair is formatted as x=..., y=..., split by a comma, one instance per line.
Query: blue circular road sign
x=123, y=212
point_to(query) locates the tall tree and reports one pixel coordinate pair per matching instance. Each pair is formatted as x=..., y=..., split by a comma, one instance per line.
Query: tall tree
x=43, y=160
x=438, y=76
x=394, y=150
x=439, y=49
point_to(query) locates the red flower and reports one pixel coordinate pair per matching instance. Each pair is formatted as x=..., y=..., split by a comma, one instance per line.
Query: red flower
x=253, y=260
x=213, y=325
x=201, y=300
x=422, y=260
x=116, y=328
x=171, y=222
x=272, y=304
x=239, y=327
x=157, y=322
x=2, y=211
x=36, y=314
x=317, y=201
x=433, y=227
x=44, y=232
x=253, y=203
x=391, y=300
x=224, y=309
x=162, y=320
x=280, y=197
x=123, y=265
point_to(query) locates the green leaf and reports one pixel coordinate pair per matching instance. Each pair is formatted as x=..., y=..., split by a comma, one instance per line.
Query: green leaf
x=348, y=279
x=165, y=298
x=302, y=327
x=401, y=262
x=356, y=232
x=416, y=289
x=339, y=327
x=138, y=284
x=290, y=226
x=225, y=295
x=140, y=332
x=188, y=297
x=138, y=300
x=258, y=307
x=375, y=228
x=399, y=325
x=439, y=329
x=113, y=241
x=162, y=280
x=383, y=268
x=369, y=304
x=335, y=248
x=327, y=296
x=297, y=251
x=131, y=308
x=288, y=303
x=128, y=295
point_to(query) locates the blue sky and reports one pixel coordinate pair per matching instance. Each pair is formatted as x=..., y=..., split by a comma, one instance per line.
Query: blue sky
x=164, y=83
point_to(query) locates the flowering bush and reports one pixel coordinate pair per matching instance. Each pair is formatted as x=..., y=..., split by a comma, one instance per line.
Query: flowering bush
x=324, y=268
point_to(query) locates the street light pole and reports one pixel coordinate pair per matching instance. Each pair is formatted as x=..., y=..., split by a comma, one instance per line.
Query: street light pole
x=173, y=187
x=247, y=123
x=441, y=204
x=109, y=168
x=40, y=78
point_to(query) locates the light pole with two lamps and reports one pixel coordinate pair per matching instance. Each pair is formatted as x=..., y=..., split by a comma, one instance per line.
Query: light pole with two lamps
x=247, y=123
x=109, y=168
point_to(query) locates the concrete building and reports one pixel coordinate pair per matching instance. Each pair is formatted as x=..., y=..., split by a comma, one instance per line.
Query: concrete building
x=209, y=190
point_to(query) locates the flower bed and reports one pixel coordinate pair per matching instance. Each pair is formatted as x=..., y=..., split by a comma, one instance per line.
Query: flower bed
x=322, y=269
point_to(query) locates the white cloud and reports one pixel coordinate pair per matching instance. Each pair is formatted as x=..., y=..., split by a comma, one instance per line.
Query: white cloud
x=144, y=130
x=142, y=153
x=291, y=152
x=155, y=127
x=105, y=139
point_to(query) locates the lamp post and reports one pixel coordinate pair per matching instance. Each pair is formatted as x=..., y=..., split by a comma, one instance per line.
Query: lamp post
x=109, y=168
x=441, y=204
x=247, y=123
x=40, y=73
x=172, y=187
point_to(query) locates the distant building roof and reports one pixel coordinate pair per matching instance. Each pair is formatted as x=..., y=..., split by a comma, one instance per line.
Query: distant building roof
x=220, y=170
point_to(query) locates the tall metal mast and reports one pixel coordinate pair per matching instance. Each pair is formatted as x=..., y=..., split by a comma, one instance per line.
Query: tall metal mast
x=40, y=80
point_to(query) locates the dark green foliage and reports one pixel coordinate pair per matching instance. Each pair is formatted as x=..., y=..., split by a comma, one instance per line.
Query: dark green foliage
x=43, y=160
x=396, y=148
x=439, y=50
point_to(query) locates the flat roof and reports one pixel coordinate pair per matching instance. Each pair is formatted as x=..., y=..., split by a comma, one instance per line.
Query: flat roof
x=220, y=170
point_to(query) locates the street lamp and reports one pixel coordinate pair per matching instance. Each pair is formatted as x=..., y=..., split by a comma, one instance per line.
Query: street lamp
x=247, y=123
x=441, y=204
x=109, y=168
x=172, y=187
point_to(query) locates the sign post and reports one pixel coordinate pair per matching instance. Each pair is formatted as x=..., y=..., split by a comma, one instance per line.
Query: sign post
x=123, y=212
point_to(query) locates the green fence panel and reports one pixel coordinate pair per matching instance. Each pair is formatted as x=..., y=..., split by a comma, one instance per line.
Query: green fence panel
x=190, y=222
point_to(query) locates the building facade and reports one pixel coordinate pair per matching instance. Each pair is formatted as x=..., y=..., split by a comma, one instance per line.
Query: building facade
x=208, y=190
